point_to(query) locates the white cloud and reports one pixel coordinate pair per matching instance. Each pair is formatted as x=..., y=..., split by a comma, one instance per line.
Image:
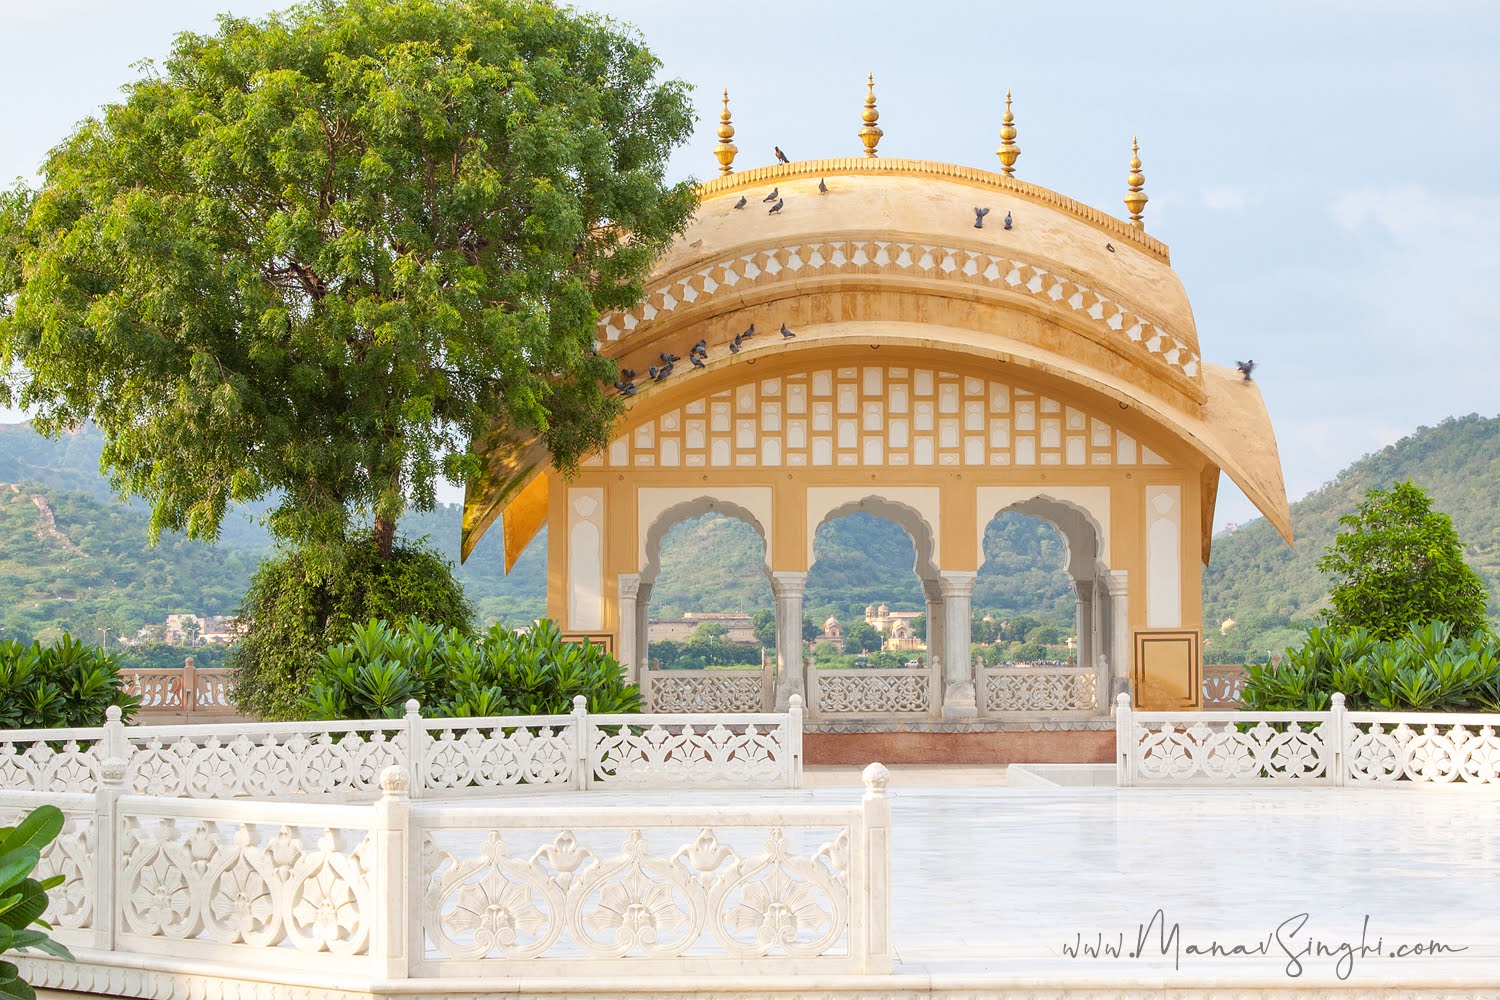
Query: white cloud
x=1411, y=210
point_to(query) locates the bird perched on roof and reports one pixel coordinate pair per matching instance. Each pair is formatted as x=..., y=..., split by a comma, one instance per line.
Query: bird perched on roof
x=775, y=193
x=780, y=156
x=628, y=374
x=668, y=358
x=628, y=391
x=734, y=347
x=823, y=186
x=700, y=349
x=742, y=202
x=777, y=207
x=661, y=373
x=623, y=385
x=652, y=372
x=749, y=332
x=1245, y=367
x=697, y=361
x=785, y=333
x=1007, y=220
x=979, y=214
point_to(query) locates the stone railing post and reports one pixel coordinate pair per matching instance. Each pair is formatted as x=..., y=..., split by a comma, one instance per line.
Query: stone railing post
x=794, y=741
x=873, y=949
x=109, y=866
x=115, y=745
x=189, y=685
x=1124, y=740
x=390, y=868
x=958, y=688
x=1101, y=684
x=1338, y=741
x=583, y=743
x=981, y=695
x=416, y=749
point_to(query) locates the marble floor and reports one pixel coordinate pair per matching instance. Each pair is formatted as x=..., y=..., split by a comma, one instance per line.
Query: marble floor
x=998, y=885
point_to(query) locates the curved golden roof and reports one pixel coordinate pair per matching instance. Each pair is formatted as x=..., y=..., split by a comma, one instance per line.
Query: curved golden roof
x=890, y=252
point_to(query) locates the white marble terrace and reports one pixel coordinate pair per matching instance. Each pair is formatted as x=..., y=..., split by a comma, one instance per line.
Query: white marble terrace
x=675, y=857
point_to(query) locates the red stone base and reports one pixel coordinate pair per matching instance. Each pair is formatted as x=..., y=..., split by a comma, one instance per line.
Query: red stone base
x=1072, y=746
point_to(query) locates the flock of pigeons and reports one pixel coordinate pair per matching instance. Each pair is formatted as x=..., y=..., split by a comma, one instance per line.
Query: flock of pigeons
x=698, y=355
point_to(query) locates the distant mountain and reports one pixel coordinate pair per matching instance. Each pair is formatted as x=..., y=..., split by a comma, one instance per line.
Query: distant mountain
x=1272, y=591
x=72, y=556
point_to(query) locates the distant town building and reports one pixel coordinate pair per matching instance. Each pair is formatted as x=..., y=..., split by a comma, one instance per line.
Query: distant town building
x=897, y=628
x=737, y=627
x=198, y=630
x=832, y=630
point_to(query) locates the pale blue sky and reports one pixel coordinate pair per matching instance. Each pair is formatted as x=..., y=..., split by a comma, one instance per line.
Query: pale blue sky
x=1324, y=170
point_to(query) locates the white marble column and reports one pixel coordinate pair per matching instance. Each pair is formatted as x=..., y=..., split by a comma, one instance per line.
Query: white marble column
x=627, y=588
x=643, y=628
x=787, y=588
x=1084, y=622
x=933, y=591
x=958, y=677
x=1119, y=651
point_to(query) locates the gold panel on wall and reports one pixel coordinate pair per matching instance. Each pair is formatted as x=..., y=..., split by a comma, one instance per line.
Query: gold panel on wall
x=1167, y=673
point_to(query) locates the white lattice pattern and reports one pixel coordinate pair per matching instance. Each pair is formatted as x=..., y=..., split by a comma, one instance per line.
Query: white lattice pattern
x=298, y=764
x=876, y=416
x=493, y=756
x=638, y=894
x=726, y=752
x=251, y=884
x=708, y=691
x=1432, y=752
x=871, y=692
x=1040, y=689
x=1229, y=751
x=70, y=906
x=1132, y=332
x=1222, y=686
x=63, y=765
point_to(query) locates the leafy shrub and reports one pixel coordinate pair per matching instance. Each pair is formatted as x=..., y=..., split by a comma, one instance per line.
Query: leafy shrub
x=296, y=613
x=64, y=685
x=1427, y=669
x=455, y=676
x=23, y=899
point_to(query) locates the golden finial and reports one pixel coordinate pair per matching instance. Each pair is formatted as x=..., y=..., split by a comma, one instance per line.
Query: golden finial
x=1008, y=150
x=870, y=133
x=1135, y=198
x=725, y=150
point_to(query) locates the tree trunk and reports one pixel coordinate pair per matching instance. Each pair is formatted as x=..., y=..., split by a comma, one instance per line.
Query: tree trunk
x=385, y=536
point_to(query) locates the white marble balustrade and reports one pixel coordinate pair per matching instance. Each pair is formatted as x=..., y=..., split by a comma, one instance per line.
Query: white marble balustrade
x=440, y=756
x=1337, y=747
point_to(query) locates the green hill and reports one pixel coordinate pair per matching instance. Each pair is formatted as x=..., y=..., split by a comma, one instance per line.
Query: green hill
x=1273, y=591
x=89, y=566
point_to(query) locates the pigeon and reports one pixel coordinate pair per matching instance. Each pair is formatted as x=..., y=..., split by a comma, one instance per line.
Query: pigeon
x=785, y=333
x=628, y=374
x=623, y=386
x=780, y=156
x=979, y=214
x=652, y=372
x=775, y=193
x=749, y=332
x=668, y=358
x=734, y=348
x=742, y=202
x=1245, y=367
x=1007, y=220
x=699, y=349
x=823, y=186
x=628, y=391
x=663, y=372
x=697, y=361
x=777, y=207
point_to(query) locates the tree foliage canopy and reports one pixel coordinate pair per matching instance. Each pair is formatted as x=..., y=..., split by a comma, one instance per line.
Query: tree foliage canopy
x=1398, y=563
x=315, y=256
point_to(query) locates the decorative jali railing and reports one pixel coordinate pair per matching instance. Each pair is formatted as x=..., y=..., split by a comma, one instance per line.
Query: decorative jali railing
x=439, y=756
x=398, y=889
x=190, y=689
x=1038, y=689
x=867, y=692
x=1337, y=747
x=1222, y=686
x=714, y=691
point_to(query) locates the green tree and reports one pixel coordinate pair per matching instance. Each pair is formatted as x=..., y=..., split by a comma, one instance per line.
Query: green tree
x=312, y=258
x=710, y=630
x=764, y=624
x=1398, y=563
x=810, y=629
x=861, y=637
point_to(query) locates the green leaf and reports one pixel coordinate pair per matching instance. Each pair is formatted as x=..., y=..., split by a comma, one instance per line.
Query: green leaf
x=36, y=830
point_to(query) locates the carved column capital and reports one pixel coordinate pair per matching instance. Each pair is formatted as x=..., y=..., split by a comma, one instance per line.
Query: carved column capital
x=629, y=585
x=956, y=582
x=788, y=583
